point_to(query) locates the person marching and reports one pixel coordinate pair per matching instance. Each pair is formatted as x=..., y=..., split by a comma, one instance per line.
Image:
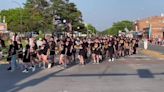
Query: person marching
x=45, y=52
x=63, y=48
x=96, y=52
x=52, y=51
x=111, y=51
x=20, y=54
x=33, y=53
x=82, y=53
x=26, y=58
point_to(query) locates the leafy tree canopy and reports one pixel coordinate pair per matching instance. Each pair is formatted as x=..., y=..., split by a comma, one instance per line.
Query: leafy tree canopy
x=119, y=26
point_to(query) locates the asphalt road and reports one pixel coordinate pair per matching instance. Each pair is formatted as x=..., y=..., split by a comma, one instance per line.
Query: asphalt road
x=137, y=73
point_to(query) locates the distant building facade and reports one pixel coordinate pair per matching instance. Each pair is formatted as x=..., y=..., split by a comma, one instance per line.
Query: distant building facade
x=3, y=27
x=155, y=24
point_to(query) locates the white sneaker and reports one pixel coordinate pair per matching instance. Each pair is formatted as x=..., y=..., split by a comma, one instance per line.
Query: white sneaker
x=30, y=68
x=49, y=66
x=33, y=69
x=25, y=71
x=112, y=59
x=109, y=60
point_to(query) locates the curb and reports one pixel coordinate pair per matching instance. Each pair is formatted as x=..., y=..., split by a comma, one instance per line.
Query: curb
x=152, y=53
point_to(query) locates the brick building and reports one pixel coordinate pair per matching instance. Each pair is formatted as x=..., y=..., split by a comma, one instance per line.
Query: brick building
x=156, y=23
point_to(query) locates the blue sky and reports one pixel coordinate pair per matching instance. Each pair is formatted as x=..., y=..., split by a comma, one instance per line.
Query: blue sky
x=102, y=13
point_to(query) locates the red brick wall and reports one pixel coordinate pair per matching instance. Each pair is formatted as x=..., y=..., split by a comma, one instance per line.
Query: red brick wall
x=157, y=23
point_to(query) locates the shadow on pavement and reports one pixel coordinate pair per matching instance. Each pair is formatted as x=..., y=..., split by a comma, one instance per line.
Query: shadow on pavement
x=9, y=80
x=145, y=73
x=142, y=73
x=8, y=84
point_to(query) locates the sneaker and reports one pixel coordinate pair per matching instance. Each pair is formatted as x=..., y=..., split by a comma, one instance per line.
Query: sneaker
x=65, y=66
x=25, y=71
x=30, y=67
x=33, y=69
x=94, y=62
x=49, y=66
x=97, y=63
x=109, y=60
x=112, y=59
x=9, y=68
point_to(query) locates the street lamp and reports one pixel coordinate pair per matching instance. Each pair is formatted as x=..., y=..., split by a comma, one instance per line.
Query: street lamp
x=78, y=28
x=64, y=21
x=20, y=13
x=65, y=24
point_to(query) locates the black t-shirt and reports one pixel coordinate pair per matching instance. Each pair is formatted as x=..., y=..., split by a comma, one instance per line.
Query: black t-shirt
x=12, y=50
x=52, y=48
x=26, y=57
x=85, y=44
x=20, y=49
x=64, y=49
x=111, y=49
x=45, y=49
x=35, y=46
x=2, y=43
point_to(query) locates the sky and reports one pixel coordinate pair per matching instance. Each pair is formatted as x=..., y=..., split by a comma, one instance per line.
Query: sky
x=103, y=13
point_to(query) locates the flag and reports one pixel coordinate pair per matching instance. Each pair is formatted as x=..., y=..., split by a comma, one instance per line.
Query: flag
x=150, y=31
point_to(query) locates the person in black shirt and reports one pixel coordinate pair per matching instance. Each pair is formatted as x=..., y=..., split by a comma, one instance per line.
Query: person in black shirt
x=95, y=53
x=82, y=52
x=12, y=52
x=20, y=54
x=27, y=58
x=111, y=52
x=116, y=49
x=33, y=53
x=106, y=48
x=52, y=51
x=2, y=43
x=73, y=50
x=63, y=55
x=45, y=52
x=85, y=45
x=69, y=47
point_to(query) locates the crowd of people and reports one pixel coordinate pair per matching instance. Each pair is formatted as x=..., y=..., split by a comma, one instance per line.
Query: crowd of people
x=43, y=52
x=157, y=41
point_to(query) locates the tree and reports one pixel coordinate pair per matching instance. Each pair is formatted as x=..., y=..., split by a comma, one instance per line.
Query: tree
x=91, y=29
x=67, y=11
x=41, y=14
x=119, y=26
x=38, y=20
x=13, y=18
